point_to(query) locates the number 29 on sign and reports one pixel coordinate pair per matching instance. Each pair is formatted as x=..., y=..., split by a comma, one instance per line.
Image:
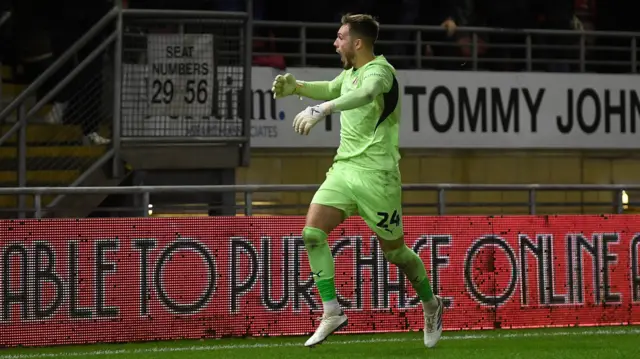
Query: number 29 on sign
x=195, y=91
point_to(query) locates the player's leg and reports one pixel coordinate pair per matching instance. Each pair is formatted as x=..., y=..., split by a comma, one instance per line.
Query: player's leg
x=399, y=254
x=380, y=205
x=321, y=220
x=329, y=207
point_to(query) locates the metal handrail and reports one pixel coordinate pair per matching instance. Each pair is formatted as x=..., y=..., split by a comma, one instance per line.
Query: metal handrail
x=475, y=57
x=309, y=187
x=51, y=70
x=57, y=88
x=184, y=13
x=248, y=191
x=88, y=36
x=486, y=30
x=115, y=15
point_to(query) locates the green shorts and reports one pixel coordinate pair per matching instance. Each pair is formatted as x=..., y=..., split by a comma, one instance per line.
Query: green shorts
x=375, y=195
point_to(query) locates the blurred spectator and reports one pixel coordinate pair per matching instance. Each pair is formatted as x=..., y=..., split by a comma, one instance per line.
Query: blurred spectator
x=443, y=13
x=261, y=46
x=555, y=15
x=520, y=14
x=507, y=14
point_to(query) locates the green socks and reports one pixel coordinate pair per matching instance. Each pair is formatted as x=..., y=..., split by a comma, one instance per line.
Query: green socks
x=321, y=262
x=323, y=267
x=412, y=266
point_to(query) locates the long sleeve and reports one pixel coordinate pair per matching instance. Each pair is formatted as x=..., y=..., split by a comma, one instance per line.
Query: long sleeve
x=320, y=90
x=376, y=80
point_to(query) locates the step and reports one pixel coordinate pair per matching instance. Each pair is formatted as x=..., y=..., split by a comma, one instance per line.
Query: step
x=47, y=133
x=12, y=89
x=52, y=157
x=6, y=72
x=49, y=164
x=40, y=178
x=54, y=151
x=11, y=201
x=38, y=118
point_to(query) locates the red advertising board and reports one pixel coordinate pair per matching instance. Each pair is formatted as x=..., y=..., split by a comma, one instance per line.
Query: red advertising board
x=113, y=280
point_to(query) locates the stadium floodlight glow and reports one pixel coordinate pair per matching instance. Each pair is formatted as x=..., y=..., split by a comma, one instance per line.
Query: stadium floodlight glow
x=625, y=200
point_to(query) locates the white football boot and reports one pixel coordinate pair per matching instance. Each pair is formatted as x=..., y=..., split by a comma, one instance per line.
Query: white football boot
x=433, y=325
x=328, y=325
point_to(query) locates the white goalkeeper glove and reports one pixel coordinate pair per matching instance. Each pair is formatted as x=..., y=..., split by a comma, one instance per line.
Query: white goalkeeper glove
x=306, y=119
x=284, y=85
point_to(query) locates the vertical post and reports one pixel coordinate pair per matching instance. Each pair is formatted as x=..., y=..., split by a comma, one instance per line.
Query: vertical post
x=619, y=201
x=441, y=202
x=583, y=53
x=1, y=103
x=181, y=29
x=248, y=204
x=117, y=93
x=532, y=201
x=228, y=198
x=634, y=55
x=474, y=51
x=418, y=49
x=529, y=51
x=303, y=45
x=37, y=203
x=22, y=161
x=145, y=204
x=246, y=77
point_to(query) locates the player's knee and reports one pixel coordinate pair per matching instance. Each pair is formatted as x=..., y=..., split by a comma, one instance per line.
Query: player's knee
x=399, y=256
x=313, y=237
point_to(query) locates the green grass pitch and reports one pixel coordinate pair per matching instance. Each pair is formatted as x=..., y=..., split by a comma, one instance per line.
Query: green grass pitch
x=562, y=343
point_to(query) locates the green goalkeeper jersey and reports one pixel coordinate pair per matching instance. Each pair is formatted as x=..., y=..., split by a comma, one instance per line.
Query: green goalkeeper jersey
x=369, y=133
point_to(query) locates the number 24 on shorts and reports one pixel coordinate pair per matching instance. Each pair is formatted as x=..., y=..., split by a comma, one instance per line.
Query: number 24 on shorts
x=386, y=220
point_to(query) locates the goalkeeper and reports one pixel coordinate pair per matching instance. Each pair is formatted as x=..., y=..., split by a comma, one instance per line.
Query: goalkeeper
x=365, y=176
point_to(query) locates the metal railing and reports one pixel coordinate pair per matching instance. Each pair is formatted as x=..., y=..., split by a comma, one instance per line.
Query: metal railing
x=230, y=59
x=532, y=190
x=26, y=114
x=108, y=110
x=309, y=44
x=472, y=48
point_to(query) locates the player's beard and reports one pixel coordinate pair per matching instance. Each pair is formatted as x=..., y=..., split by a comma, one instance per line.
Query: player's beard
x=348, y=59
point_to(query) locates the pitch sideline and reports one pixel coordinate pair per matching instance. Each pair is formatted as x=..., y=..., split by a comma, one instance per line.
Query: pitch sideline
x=195, y=348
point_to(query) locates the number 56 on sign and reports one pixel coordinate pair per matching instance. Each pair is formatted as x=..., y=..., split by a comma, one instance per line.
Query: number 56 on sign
x=181, y=77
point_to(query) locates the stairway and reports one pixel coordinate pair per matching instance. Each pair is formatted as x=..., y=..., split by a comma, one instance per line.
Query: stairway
x=56, y=155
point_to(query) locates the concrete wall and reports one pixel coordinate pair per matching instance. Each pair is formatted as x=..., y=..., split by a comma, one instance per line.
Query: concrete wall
x=559, y=167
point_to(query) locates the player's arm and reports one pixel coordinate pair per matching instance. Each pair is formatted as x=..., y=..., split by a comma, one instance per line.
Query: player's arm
x=320, y=90
x=376, y=80
x=287, y=85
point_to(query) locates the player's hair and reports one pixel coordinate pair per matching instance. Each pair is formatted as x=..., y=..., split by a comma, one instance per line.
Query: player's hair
x=363, y=26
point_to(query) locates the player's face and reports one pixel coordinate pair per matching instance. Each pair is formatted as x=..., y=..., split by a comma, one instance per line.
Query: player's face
x=345, y=47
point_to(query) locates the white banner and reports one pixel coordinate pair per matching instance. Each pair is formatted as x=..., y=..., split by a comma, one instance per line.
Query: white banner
x=440, y=110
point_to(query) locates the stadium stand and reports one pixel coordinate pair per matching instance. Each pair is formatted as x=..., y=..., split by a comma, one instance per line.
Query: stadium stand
x=60, y=150
x=558, y=276
x=61, y=143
